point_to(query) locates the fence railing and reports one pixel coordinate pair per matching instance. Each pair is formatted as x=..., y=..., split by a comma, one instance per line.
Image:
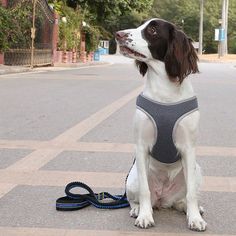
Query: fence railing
x=23, y=56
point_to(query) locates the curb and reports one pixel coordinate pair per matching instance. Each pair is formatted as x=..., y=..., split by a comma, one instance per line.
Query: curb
x=75, y=65
x=217, y=61
x=14, y=70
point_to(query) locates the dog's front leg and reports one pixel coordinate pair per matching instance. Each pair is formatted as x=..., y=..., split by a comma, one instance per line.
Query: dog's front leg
x=145, y=218
x=192, y=177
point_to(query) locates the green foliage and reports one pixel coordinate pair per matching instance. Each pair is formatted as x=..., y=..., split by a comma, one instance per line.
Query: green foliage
x=188, y=10
x=57, y=5
x=13, y=34
x=4, y=26
x=69, y=32
x=21, y=23
x=183, y=13
x=110, y=16
x=91, y=38
x=231, y=26
x=104, y=17
x=129, y=20
x=100, y=10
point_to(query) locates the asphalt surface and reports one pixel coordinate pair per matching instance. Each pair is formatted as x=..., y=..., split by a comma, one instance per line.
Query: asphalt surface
x=76, y=124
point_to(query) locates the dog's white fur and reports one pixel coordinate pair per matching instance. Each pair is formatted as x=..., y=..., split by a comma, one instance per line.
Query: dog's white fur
x=148, y=178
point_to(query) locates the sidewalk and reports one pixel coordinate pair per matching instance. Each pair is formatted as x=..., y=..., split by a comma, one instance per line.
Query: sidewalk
x=215, y=58
x=4, y=69
x=105, y=59
x=13, y=69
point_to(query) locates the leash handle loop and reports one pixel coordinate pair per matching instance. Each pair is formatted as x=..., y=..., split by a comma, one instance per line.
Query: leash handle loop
x=119, y=201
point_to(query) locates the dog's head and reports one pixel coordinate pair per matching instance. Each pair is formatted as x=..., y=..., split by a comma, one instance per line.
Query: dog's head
x=157, y=39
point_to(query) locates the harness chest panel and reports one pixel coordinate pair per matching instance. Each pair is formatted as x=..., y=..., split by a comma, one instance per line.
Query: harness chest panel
x=165, y=117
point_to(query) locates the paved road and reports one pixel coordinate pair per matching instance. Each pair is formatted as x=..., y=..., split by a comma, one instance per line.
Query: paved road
x=61, y=126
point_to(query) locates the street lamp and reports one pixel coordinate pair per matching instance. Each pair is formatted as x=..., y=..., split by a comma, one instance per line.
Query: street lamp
x=64, y=20
x=64, y=56
x=182, y=21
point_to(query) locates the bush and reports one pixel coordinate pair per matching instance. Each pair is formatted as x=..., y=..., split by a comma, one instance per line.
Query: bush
x=91, y=38
x=14, y=34
x=5, y=24
x=69, y=32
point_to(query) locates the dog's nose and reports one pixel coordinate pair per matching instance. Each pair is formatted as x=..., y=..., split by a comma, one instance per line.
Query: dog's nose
x=121, y=35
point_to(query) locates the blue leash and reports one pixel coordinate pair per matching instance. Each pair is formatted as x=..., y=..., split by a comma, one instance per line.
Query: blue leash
x=76, y=201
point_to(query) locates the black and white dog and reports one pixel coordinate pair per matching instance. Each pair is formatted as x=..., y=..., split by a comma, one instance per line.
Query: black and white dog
x=167, y=56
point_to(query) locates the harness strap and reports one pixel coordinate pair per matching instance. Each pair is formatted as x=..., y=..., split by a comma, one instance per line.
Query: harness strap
x=75, y=201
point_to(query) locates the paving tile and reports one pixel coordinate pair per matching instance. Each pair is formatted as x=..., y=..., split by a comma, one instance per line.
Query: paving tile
x=121, y=162
x=218, y=111
x=218, y=166
x=27, y=206
x=91, y=161
x=10, y=156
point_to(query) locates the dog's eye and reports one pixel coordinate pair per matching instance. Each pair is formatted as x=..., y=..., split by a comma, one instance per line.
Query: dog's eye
x=153, y=30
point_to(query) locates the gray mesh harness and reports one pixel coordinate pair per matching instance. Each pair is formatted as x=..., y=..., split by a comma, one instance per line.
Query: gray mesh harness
x=165, y=117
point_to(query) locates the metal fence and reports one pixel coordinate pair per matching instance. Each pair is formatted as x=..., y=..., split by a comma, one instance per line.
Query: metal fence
x=20, y=52
x=23, y=57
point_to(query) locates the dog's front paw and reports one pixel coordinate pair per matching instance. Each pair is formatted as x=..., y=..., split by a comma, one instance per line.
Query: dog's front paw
x=144, y=221
x=197, y=223
x=134, y=210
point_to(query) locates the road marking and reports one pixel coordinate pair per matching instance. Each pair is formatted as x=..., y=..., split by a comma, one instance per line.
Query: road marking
x=23, y=231
x=5, y=188
x=40, y=157
x=23, y=144
x=79, y=130
x=35, y=159
x=213, y=151
x=98, y=179
x=216, y=151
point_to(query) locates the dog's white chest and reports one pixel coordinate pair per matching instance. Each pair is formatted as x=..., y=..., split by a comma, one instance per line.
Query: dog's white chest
x=164, y=182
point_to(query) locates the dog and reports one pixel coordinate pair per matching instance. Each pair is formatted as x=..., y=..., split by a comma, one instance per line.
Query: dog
x=171, y=179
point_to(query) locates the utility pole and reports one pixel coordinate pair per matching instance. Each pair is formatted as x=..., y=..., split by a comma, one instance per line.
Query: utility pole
x=224, y=28
x=201, y=28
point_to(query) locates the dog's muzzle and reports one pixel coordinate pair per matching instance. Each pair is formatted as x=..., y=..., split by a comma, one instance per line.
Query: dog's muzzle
x=122, y=37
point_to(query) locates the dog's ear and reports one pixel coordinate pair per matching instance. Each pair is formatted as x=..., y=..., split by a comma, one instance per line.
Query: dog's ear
x=181, y=57
x=142, y=67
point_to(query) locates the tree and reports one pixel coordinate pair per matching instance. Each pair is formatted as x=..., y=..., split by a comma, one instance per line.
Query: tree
x=100, y=10
x=69, y=31
x=4, y=26
x=110, y=16
x=13, y=34
x=185, y=14
x=231, y=27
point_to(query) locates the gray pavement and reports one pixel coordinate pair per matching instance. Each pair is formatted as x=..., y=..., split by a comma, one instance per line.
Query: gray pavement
x=47, y=132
